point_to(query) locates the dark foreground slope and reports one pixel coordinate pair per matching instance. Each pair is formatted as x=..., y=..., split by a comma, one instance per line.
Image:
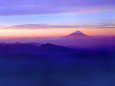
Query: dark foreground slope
x=52, y=65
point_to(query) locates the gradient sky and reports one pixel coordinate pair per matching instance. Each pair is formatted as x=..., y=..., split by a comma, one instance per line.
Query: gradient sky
x=36, y=18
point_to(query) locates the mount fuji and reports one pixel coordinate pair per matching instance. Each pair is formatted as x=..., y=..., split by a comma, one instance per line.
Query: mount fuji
x=77, y=34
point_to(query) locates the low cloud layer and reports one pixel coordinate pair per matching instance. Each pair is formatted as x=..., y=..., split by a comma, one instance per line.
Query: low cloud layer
x=46, y=26
x=38, y=26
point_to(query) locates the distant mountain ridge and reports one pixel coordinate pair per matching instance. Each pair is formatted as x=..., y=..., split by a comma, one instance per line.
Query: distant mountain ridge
x=48, y=51
x=20, y=44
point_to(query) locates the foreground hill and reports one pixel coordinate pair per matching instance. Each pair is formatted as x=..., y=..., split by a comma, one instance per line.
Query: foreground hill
x=53, y=65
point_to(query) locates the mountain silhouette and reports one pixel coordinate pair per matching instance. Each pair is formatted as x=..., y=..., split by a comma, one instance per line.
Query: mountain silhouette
x=77, y=34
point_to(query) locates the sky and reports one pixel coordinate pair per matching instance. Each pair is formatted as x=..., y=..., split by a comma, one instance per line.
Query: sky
x=50, y=18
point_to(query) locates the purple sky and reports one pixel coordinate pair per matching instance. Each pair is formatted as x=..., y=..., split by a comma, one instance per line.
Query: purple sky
x=28, y=7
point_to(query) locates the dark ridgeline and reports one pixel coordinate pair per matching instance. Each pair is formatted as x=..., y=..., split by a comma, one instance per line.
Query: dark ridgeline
x=51, y=49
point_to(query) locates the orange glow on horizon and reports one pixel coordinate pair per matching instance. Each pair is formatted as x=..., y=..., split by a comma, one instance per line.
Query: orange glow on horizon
x=15, y=33
x=98, y=31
